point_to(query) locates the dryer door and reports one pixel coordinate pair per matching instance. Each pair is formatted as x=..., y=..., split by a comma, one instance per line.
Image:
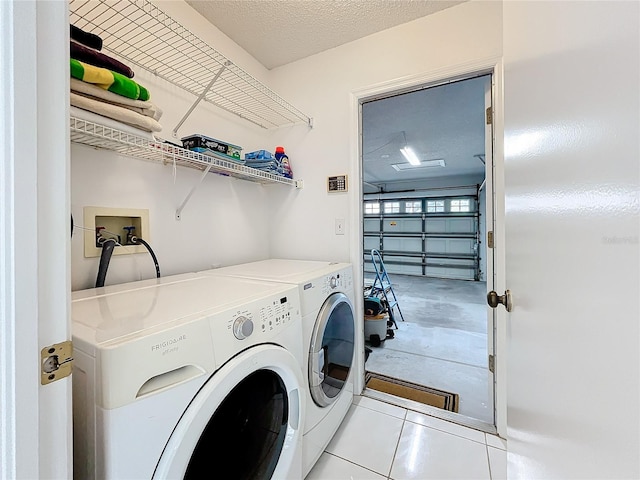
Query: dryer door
x=331, y=350
x=246, y=419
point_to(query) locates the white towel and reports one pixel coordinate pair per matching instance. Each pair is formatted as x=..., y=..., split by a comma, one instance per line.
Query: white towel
x=146, y=108
x=115, y=112
x=107, y=122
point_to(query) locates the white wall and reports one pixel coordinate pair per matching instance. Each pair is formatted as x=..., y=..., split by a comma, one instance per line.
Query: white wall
x=226, y=220
x=321, y=85
x=572, y=118
x=281, y=221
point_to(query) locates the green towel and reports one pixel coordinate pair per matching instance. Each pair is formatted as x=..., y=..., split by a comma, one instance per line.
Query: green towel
x=109, y=80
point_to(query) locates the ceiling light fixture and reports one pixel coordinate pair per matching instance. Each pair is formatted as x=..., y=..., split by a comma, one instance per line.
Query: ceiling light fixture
x=408, y=153
x=437, y=163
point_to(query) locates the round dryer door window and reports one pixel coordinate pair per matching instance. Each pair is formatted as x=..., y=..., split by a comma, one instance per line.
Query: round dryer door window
x=245, y=420
x=331, y=350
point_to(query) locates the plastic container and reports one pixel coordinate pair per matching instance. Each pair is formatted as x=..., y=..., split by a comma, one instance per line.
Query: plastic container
x=192, y=142
x=284, y=159
x=214, y=154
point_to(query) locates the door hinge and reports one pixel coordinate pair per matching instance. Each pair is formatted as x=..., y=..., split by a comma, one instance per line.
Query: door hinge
x=489, y=115
x=56, y=362
x=490, y=239
x=492, y=363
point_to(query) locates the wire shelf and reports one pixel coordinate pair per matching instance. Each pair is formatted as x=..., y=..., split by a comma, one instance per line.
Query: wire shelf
x=140, y=33
x=100, y=136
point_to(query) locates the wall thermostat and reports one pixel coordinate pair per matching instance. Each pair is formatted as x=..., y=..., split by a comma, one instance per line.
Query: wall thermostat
x=337, y=183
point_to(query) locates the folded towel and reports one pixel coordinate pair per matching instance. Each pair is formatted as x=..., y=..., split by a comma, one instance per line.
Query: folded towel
x=112, y=81
x=115, y=112
x=146, y=108
x=98, y=59
x=89, y=39
x=107, y=122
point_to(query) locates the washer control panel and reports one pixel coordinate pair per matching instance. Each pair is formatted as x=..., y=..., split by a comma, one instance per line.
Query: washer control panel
x=275, y=315
x=258, y=321
x=336, y=281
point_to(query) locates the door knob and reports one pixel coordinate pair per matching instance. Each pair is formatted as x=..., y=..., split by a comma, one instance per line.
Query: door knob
x=493, y=299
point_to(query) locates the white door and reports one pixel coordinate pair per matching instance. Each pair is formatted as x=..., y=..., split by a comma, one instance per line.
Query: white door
x=571, y=101
x=35, y=419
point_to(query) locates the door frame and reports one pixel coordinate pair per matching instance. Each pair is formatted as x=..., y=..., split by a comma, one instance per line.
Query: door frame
x=35, y=419
x=494, y=67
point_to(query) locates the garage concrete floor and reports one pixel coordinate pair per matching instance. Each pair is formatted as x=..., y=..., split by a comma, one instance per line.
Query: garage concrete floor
x=443, y=341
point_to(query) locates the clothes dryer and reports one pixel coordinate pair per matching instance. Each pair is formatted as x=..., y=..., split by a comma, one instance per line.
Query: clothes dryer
x=328, y=325
x=188, y=374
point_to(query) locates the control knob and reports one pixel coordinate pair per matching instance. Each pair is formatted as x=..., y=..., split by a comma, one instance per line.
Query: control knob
x=242, y=327
x=333, y=283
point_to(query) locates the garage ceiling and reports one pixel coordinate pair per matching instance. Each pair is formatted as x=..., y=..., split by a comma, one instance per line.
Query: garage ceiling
x=446, y=123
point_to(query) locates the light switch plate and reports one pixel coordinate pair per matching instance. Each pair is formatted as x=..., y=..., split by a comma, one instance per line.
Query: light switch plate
x=337, y=183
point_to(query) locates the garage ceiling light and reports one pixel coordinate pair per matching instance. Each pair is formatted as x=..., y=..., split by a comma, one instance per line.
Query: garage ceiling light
x=410, y=155
x=426, y=164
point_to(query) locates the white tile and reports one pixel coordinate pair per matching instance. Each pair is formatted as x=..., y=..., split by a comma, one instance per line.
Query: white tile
x=496, y=441
x=428, y=454
x=498, y=463
x=381, y=407
x=445, y=426
x=367, y=438
x=334, y=468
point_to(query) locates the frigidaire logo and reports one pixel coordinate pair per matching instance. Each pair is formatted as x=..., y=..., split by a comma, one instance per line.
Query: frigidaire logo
x=168, y=343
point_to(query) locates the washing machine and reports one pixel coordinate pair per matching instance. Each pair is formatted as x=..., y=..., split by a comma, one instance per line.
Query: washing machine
x=328, y=325
x=188, y=376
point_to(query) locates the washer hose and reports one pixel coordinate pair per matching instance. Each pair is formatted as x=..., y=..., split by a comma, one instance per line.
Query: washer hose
x=139, y=241
x=107, y=250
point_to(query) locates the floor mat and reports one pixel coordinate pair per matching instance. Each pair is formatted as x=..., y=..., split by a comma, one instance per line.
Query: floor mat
x=412, y=391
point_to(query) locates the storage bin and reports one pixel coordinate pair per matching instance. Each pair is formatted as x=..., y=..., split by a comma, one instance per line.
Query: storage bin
x=208, y=151
x=194, y=141
x=375, y=328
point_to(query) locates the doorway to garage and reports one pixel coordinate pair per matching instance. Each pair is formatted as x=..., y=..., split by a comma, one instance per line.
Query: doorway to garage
x=426, y=156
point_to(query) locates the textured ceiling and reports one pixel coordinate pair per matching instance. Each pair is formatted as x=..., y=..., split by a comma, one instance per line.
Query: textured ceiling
x=277, y=32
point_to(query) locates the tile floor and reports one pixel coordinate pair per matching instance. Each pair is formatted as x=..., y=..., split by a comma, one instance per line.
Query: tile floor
x=378, y=440
x=443, y=341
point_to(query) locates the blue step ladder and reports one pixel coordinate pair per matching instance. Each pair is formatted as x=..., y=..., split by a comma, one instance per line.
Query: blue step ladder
x=382, y=287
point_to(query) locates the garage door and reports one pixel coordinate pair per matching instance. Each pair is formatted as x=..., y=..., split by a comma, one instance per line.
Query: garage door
x=436, y=237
